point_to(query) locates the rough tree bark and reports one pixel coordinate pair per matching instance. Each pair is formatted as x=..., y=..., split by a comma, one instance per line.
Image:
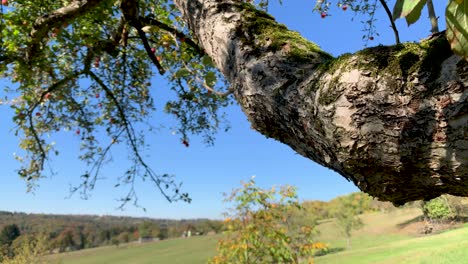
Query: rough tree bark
x=393, y=120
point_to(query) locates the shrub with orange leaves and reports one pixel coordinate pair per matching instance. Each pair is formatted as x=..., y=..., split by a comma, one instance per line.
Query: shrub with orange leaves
x=260, y=230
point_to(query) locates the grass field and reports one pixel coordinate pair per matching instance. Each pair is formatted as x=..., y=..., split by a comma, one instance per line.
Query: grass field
x=386, y=238
x=184, y=251
x=446, y=248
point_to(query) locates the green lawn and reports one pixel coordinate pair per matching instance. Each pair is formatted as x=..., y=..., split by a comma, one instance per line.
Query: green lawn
x=193, y=250
x=382, y=240
x=449, y=247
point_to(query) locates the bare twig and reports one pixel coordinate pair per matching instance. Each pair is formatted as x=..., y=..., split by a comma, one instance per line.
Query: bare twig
x=432, y=17
x=389, y=14
x=91, y=176
x=133, y=144
x=38, y=141
x=43, y=154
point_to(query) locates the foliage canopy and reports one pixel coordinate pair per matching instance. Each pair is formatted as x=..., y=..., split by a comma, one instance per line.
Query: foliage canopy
x=85, y=67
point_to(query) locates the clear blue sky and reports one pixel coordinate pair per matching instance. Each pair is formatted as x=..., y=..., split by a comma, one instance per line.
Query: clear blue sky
x=206, y=172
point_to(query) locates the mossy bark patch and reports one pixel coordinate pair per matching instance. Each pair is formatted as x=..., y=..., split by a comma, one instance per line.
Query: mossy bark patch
x=263, y=33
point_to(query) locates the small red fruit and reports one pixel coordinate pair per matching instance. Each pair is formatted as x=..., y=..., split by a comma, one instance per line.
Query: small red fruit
x=344, y=7
x=99, y=105
x=47, y=96
x=158, y=58
x=185, y=143
x=77, y=131
x=38, y=113
x=323, y=15
x=371, y=38
x=5, y=2
x=96, y=62
x=97, y=95
x=153, y=50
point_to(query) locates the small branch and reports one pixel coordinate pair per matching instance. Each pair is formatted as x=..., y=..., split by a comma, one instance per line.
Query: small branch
x=55, y=86
x=130, y=11
x=7, y=59
x=149, y=52
x=207, y=87
x=202, y=82
x=133, y=144
x=432, y=17
x=389, y=14
x=91, y=176
x=43, y=155
x=176, y=32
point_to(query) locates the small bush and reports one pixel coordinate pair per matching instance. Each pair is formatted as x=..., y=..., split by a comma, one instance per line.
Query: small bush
x=438, y=209
x=260, y=230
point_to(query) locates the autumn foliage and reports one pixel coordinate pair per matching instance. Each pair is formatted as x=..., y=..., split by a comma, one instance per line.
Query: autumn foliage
x=260, y=228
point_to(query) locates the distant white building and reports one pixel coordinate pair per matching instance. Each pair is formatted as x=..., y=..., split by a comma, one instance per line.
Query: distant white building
x=146, y=239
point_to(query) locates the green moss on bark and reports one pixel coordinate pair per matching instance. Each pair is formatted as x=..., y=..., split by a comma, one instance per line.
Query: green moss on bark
x=407, y=59
x=261, y=32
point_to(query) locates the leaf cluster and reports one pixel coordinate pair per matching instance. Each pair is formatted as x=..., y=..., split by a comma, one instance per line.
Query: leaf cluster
x=79, y=68
x=261, y=229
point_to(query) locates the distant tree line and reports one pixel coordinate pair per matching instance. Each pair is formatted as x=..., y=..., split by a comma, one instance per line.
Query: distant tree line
x=446, y=207
x=75, y=232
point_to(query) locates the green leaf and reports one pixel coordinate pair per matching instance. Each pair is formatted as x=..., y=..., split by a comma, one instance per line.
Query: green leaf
x=210, y=79
x=456, y=17
x=182, y=73
x=409, y=9
x=206, y=60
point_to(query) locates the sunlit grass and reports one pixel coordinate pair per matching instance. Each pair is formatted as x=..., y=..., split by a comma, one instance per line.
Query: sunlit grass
x=381, y=241
x=192, y=250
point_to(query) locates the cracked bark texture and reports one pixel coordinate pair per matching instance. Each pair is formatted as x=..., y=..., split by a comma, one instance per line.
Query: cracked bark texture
x=393, y=120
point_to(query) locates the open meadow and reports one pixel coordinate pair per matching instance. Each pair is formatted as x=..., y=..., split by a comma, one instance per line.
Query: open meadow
x=392, y=237
x=193, y=250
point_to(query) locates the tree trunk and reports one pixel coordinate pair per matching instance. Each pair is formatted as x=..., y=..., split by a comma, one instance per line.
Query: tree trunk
x=392, y=119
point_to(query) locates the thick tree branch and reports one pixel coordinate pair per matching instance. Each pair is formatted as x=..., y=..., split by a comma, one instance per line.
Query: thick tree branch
x=391, y=119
